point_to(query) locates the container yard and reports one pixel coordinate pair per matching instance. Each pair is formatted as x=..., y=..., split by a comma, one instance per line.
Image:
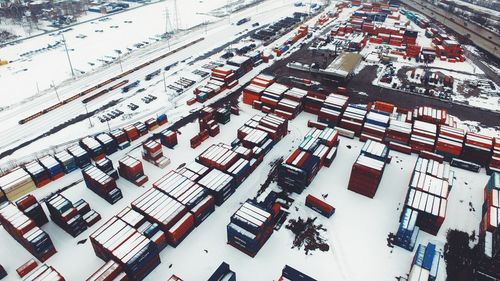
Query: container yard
x=270, y=140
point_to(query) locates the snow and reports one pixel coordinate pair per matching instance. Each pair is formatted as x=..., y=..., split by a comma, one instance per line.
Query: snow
x=125, y=30
x=357, y=232
x=214, y=37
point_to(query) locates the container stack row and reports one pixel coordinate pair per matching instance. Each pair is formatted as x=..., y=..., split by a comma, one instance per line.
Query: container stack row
x=375, y=126
x=102, y=184
x=153, y=153
x=450, y=142
x=65, y=215
x=477, y=149
x=16, y=184
x=250, y=227
x=44, y=273
x=171, y=216
x=168, y=138
x=93, y=147
x=423, y=136
x=32, y=209
x=106, y=165
x=489, y=233
x=425, y=264
x=132, y=170
x=353, y=118
x=135, y=253
x=147, y=228
x=317, y=149
x=368, y=169
x=332, y=108
x=193, y=196
x=494, y=164
x=24, y=230
x=291, y=274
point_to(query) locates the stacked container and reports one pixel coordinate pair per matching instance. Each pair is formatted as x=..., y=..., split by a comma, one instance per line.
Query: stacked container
x=450, y=142
x=353, y=118
x=190, y=194
x=407, y=234
x=249, y=228
x=65, y=215
x=152, y=152
x=168, y=138
x=25, y=231
x=425, y=264
x=141, y=128
x=93, y=147
x=120, y=138
x=398, y=132
x=82, y=158
x=375, y=126
x=45, y=273
x=38, y=173
x=219, y=184
x=368, y=169
x=32, y=209
x=494, y=164
x=423, y=136
x=16, y=184
x=108, y=143
x=149, y=229
x=131, y=169
x=106, y=165
x=67, y=161
x=3, y=273
x=171, y=216
x=489, y=233
x=223, y=115
x=109, y=271
x=131, y=132
x=332, y=108
x=54, y=168
x=223, y=272
x=102, y=184
x=477, y=149
x=257, y=86
x=431, y=115
x=291, y=274
x=117, y=241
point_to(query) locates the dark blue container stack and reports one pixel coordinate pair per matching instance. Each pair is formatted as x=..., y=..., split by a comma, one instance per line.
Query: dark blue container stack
x=93, y=147
x=32, y=209
x=407, y=234
x=239, y=170
x=142, y=128
x=298, y=171
x=54, y=168
x=106, y=165
x=425, y=263
x=108, y=143
x=67, y=161
x=102, y=184
x=291, y=274
x=65, y=215
x=223, y=272
x=3, y=273
x=161, y=119
x=82, y=157
x=250, y=227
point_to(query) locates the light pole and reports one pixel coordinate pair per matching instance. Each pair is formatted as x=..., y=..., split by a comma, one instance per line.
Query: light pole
x=55, y=90
x=67, y=54
x=164, y=82
x=88, y=116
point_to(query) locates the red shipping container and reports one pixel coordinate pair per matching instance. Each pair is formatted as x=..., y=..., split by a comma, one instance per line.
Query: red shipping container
x=26, y=268
x=180, y=230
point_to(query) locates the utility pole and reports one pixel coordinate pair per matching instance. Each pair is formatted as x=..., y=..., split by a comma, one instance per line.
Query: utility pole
x=67, y=54
x=177, y=20
x=88, y=116
x=164, y=82
x=109, y=127
x=120, y=62
x=37, y=89
x=55, y=89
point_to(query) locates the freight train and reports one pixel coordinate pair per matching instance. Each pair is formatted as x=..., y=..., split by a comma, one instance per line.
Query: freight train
x=100, y=85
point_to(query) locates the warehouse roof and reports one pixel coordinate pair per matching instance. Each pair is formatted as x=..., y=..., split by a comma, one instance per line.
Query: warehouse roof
x=343, y=65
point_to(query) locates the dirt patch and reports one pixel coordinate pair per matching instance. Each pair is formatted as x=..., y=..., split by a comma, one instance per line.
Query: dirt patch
x=308, y=235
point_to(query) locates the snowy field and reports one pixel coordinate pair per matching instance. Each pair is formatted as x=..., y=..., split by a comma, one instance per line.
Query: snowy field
x=128, y=31
x=357, y=233
x=215, y=36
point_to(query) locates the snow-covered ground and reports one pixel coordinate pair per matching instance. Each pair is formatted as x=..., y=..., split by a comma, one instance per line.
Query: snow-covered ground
x=28, y=73
x=357, y=233
x=215, y=36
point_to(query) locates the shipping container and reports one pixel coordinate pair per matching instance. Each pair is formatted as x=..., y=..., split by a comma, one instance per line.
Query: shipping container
x=82, y=158
x=66, y=216
x=93, y=147
x=67, y=161
x=223, y=272
x=30, y=206
x=131, y=169
x=109, y=144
